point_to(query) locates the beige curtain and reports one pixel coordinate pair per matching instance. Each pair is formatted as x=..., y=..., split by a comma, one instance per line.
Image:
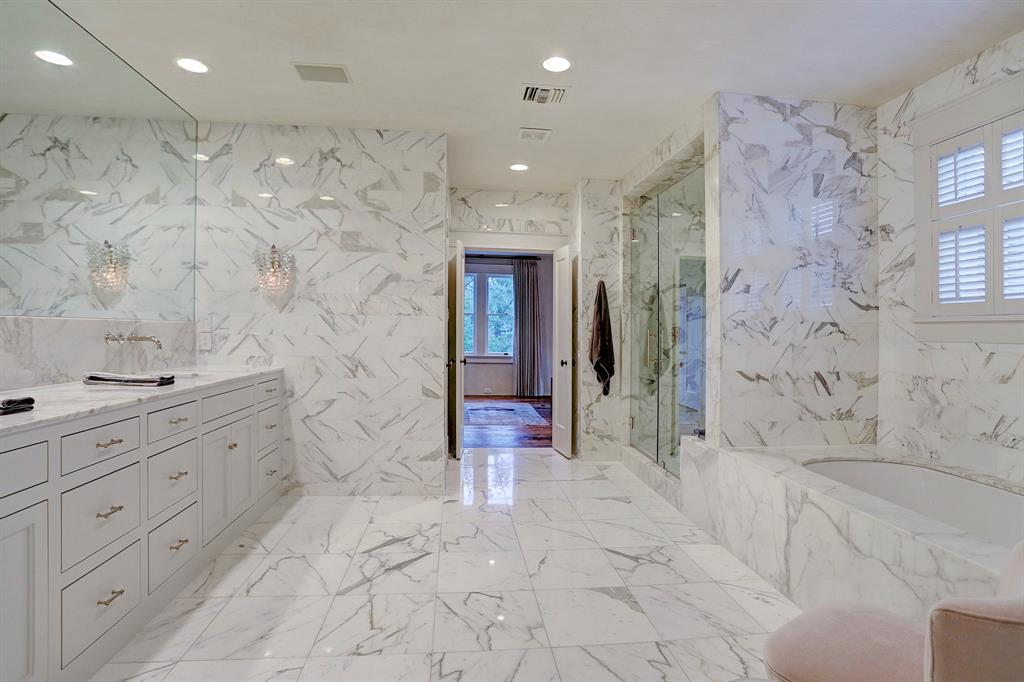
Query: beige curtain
x=529, y=355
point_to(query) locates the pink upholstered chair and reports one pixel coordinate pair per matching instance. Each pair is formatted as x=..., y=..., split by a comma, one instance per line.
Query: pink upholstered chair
x=967, y=639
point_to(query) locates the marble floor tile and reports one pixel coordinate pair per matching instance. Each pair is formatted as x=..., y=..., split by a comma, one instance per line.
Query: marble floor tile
x=258, y=538
x=404, y=668
x=542, y=510
x=599, y=615
x=407, y=510
x=261, y=627
x=721, y=659
x=718, y=563
x=287, y=509
x=607, y=508
x=569, y=470
x=396, y=573
x=570, y=568
x=661, y=565
x=763, y=602
x=635, y=532
x=369, y=625
x=683, y=611
x=637, y=662
x=342, y=510
x=634, y=486
x=133, y=672
x=530, y=489
x=526, y=473
x=590, y=488
x=296, y=575
x=474, y=511
x=555, y=535
x=682, y=530
x=488, y=621
x=655, y=507
x=223, y=577
x=320, y=538
x=526, y=665
x=479, y=537
x=401, y=537
x=168, y=636
x=247, y=670
x=483, y=571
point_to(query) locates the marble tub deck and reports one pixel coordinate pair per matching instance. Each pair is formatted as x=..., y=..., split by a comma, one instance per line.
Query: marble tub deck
x=531, y=568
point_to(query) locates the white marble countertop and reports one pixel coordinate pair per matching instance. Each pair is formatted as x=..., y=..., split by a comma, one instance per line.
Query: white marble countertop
x=61, y=402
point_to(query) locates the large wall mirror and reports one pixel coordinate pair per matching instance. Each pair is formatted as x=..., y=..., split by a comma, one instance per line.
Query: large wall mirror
x=97, y=178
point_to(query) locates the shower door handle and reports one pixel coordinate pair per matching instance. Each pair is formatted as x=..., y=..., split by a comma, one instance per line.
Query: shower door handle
x=651, y=360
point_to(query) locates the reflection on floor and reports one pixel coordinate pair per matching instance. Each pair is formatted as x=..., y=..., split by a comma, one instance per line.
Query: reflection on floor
x=506, y=422
x=532, y=568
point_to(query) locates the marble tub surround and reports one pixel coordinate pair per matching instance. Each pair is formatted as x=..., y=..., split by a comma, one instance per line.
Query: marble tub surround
x=63, y=402
x=321, y=597
x=362, y=336
x=477, y=210
x=956, y=403
x=819, y=541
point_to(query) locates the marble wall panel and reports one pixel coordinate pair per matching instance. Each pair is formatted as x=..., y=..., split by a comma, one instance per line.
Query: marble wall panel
x=476, y=210
x=959, y=403
x=361, y=336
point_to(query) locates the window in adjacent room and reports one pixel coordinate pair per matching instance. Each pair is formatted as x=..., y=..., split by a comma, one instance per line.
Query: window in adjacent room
x=489, y=311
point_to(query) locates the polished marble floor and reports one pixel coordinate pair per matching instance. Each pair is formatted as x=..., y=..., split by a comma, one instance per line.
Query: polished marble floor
x=532, y=568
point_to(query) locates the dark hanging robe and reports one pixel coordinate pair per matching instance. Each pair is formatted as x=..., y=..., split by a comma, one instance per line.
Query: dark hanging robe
x=602, y=355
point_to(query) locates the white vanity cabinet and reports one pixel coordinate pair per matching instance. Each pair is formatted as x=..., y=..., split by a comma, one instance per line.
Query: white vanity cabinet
x=109, y=507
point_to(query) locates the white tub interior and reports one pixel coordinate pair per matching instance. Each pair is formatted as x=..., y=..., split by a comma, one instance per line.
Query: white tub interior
x=991, y=513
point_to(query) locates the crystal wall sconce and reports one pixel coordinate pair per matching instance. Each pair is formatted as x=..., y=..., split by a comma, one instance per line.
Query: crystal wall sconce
x=275, y=273
x=108, y=268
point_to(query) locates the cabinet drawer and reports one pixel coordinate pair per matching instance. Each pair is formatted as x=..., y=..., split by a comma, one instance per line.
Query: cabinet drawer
x=173, y=420
x=268, y=427
x=268, y=390
x=217, y=406
x=269, y=471
x=172, y=475
x=82, y=449
x=172, y=544
x=96, y=513
x=23, y=468
x=95, y=602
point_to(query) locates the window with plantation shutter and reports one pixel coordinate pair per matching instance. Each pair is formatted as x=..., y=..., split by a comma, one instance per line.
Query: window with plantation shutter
x=961, y=175
x=962, y=265
x=1012, y=157
x=1013, y=258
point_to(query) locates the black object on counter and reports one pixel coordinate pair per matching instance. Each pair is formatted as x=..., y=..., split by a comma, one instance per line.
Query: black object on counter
x=16, y=405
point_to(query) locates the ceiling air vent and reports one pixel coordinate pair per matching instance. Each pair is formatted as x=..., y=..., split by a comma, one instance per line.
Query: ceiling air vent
x=543, y=94
x=323, y=73
x=534, y=134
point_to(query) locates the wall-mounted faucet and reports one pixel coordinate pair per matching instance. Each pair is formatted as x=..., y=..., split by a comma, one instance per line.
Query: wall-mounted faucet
x=110, y=338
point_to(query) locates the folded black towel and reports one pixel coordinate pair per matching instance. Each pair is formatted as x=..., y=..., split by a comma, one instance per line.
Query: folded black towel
x=16, y=402
x=16, y=409
x=101, y=378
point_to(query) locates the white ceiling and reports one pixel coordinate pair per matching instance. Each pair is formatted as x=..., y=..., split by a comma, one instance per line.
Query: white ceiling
x=457, y=67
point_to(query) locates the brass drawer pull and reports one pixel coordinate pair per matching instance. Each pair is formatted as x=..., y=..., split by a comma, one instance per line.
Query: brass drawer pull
x=271, y=472
x=110, y=443
x=107, y=515
x=232, y=446
x=270, y=390
x=271, y=427
x=178, y=476
x=181, y=543
x=114, y=594
x=179, y=420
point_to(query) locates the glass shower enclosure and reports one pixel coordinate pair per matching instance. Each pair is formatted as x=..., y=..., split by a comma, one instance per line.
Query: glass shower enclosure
x=666, y=282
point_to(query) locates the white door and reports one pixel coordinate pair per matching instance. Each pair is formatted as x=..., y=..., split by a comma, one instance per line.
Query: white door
x=23, y=588
x=561, y=390
x=456, y=349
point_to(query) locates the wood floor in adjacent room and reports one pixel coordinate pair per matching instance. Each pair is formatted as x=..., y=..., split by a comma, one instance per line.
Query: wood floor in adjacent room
x=507, y=429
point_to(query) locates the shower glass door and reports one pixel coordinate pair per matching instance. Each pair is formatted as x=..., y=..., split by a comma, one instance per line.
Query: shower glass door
x=667, y=299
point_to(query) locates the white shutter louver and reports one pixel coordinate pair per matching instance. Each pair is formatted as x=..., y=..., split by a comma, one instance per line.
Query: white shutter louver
x=962, y=265
x=1013, y=258
x=1012, y=152
x=961, y=175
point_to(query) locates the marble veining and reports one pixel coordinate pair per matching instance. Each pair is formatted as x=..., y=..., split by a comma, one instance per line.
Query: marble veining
x=478, y=210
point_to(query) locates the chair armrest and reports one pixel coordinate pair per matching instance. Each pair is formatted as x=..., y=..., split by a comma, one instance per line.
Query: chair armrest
x=976, y=639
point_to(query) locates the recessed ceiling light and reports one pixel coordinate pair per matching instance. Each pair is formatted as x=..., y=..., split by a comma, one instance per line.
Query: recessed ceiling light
x=284, y=161
x=556, y=64
x=518, y=167
x=193, y=65
x=265, y=195
x=500, y=205
x=88, y=192
x=676, y=214
x=53, y=57
x=200, y=157
x=326, y=197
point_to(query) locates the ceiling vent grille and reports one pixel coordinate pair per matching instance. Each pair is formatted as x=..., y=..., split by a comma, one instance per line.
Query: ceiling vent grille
x=543, y=94
x=323, y=73
x=534, y=134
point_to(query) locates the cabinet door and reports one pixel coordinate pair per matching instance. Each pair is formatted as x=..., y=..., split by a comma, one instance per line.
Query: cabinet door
x=241, y=468
x=23, y=589
x=216, y=494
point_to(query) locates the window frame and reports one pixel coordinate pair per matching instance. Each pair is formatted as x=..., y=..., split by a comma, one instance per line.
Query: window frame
x=481, y=269
x=1005, y=306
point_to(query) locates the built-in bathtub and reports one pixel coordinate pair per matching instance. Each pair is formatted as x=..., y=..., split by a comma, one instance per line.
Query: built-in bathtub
x=854, y=522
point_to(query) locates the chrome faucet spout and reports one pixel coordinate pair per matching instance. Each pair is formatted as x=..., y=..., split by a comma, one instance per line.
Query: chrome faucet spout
x=110, y=337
